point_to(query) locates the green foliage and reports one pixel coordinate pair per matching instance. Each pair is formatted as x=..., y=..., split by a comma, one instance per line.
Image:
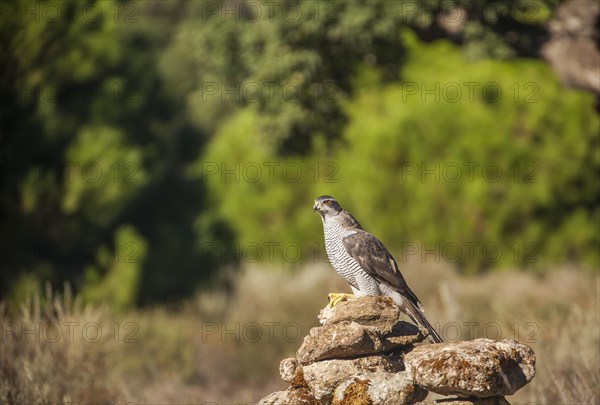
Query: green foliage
x=104, y=176
x=263, y=199
x=115, y=278
x=91, y=142
x=481, y=170
x=114, y=115
x=295, y=60
x=495, y=33
x=505, y=168
x=293, y=69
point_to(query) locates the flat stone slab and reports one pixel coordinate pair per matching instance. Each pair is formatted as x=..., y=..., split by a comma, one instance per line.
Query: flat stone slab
x=378, y=379
x=348, y=339
x=480, y=367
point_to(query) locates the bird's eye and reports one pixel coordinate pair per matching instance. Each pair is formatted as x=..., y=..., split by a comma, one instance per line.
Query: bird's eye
x=327, y=202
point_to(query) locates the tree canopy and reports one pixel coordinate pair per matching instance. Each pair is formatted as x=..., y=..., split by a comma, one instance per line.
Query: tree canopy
x=145, y=145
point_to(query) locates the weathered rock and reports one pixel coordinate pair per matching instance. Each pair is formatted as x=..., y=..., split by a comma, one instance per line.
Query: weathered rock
x=378, y=388
x=291, y=372
x=404, y=334
x=364, y=354
x=384, y=375
x=274, y=398
x=480, y=367
x=348, y=339
x=292, y=396
x=341, y=340
x=467, y=401
x=378, y=311
x=358, y=327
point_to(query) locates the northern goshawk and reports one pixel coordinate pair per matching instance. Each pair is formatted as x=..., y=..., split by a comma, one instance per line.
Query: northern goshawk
x=362, y=260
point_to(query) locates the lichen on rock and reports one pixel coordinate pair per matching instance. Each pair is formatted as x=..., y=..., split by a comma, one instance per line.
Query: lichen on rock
x=364, y=353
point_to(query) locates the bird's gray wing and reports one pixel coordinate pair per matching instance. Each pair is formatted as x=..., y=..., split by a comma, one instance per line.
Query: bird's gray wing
x=348, y=221
x=375, y=259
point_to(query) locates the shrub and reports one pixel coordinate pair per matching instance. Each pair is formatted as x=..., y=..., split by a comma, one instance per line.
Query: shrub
x=50, y=355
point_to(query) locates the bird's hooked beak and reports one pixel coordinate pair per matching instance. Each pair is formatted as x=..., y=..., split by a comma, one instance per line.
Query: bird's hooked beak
x=317, y=207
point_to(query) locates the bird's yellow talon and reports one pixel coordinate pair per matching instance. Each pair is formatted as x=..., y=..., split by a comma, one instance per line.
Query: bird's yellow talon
x=336, y=298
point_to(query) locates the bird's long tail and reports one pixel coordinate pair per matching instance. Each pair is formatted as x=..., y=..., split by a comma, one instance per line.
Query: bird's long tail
x=415, y=313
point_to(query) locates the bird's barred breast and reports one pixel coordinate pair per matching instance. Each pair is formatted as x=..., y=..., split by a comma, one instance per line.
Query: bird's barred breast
x=341, y=261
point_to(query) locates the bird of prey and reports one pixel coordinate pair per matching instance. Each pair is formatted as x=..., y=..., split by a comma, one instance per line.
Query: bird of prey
x=362, y=260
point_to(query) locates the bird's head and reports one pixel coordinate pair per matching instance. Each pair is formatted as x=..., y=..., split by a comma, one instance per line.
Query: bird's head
x=327, y=206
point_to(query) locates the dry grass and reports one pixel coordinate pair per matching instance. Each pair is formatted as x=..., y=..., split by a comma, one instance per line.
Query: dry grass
x=54, y=353
x=226, y=348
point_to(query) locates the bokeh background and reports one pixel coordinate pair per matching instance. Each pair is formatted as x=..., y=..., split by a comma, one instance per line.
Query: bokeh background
x=159, y=161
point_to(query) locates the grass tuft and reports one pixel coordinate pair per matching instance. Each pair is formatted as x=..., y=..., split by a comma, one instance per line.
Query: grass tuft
x=226, y=346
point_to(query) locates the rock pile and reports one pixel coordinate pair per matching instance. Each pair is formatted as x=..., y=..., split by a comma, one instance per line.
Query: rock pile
x=364, y=354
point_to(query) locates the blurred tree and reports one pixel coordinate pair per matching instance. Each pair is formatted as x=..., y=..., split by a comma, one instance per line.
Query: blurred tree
x=55, y=63
x=489, y=28
x=91, y=141
x=502, y=30
x=295, y=59
x=490, y=164
x=115, y=278
x=481, y=172
x=114, y=114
